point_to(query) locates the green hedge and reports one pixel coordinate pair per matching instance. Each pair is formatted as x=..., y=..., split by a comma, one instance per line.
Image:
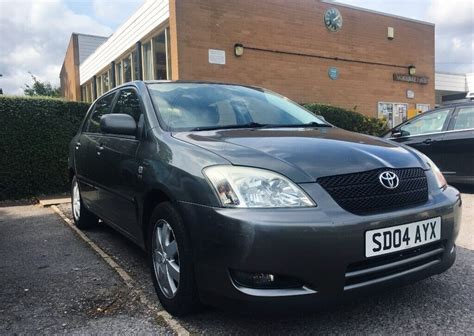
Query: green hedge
x=34, y=139
x=35, y=134
x=349, y=120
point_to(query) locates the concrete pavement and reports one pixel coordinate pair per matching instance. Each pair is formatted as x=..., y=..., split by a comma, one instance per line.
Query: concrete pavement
x=53, y=283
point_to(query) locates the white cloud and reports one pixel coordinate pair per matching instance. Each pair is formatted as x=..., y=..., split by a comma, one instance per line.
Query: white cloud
x=454, y=34
x=454, y=20
x=116, y=11
x=35, y=35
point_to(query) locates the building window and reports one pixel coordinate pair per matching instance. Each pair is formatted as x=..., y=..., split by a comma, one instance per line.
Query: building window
x=118, y=73
x=147, y=59
x=127, y=69
x=394, y=113
x=98, y=85
x=160, y=56
x=105, y=81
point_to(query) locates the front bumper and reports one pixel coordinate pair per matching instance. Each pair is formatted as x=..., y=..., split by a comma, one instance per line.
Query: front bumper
x=314, y=245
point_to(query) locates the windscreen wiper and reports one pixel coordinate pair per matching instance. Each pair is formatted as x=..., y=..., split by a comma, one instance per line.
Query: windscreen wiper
x=212, y=128
x=310, y=124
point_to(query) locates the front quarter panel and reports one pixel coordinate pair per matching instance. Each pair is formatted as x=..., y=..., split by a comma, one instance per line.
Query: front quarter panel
x=175, y=167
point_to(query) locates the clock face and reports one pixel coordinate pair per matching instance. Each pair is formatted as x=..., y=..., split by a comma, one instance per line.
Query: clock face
x=333, y=19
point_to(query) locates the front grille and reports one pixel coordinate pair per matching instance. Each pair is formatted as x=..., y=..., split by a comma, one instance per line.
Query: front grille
x=363, y=194
x=384, y=268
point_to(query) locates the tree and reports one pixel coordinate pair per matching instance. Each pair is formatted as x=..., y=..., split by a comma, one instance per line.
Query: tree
x=40, y=88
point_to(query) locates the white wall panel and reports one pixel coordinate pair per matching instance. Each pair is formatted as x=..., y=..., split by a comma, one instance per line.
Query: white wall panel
x=149, y=16
x=450, y=82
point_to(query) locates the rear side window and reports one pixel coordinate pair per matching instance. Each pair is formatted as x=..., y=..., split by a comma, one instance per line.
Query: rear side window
x=464, y=118
x=128, y=103
x=102, y=107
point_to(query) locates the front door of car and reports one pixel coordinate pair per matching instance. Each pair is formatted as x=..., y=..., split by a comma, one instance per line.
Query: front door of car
x=118, y=157
x=91, y=172
x=425, y=133
x=458, y=144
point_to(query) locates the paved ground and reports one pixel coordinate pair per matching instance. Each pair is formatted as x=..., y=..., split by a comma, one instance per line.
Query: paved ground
x=466, y=236
x=52, y=283
x=443, y=304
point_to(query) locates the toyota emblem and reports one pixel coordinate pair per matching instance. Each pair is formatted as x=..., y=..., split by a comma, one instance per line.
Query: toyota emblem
x=389, y=180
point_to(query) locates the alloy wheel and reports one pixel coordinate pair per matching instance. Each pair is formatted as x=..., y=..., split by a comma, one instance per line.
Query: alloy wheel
x=76, y=201
x=165, y=258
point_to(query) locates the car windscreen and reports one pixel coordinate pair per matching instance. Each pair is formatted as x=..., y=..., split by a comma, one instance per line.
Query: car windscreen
x=196, y=106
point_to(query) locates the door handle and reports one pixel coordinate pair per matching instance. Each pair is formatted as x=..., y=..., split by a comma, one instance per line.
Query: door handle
x=78, y=144
x=99, y=149
x=429, y=141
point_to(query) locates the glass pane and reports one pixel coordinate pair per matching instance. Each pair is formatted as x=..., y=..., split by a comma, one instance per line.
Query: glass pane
x=465, y=118
x=159, y=48
x=147, y=62
x=127, y=69
x=88, y=92
x=105, y=82
x=102, y=107
x=118, y=73
x=128, y=103
x=98, y=84
x=190, y=106
x=428, y=123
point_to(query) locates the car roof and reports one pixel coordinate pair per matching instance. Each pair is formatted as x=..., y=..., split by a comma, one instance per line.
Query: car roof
x=467, y=103
x=199, y=82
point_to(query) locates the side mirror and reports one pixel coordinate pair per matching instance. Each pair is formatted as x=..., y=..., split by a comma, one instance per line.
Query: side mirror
x=118, y=123
x=321, y=117
x=396, y=133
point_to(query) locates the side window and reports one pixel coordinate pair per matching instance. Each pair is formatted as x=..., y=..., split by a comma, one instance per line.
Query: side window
x=429, y=123
x=102, y=107
x=128, y=103
x=464, y=118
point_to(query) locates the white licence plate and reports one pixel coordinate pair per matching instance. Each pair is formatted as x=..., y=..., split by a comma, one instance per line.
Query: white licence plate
x=402, y=237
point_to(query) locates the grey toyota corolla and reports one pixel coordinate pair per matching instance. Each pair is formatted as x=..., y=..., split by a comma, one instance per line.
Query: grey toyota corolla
x=240, y=196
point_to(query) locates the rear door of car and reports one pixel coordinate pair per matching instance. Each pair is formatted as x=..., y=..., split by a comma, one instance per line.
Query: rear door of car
x=426, y=134
x=458, y=145
x=95, y=172
x=118, y=157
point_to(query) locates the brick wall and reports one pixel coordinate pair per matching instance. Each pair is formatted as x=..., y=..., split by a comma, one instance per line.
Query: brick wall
x=297, y=26
x=69, y=76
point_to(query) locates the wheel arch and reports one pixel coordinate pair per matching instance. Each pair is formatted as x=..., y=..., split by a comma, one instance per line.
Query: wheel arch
x=151, y=199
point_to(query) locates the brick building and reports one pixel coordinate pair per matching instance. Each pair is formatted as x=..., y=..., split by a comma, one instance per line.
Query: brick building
x=308, y=50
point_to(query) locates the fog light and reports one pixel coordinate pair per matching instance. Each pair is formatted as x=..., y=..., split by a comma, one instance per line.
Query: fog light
x=264, y=280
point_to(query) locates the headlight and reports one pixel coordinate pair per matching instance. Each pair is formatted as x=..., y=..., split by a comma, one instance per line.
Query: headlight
x=245, y=187
x=440, y=180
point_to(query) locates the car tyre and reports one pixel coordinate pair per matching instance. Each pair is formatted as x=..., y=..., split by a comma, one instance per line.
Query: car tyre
x=83, y=218
x=170, y=260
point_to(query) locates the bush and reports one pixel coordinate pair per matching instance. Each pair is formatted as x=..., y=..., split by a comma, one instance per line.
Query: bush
x=34, y=139
x=349, y=120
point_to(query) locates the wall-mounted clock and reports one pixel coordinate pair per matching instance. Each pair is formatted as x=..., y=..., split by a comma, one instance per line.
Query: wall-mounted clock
x=333, y=19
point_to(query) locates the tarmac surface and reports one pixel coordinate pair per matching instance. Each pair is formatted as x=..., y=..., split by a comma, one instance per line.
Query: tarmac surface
x=52, y=282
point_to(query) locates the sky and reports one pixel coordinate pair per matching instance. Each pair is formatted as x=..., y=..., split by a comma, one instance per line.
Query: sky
x=34, y=34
